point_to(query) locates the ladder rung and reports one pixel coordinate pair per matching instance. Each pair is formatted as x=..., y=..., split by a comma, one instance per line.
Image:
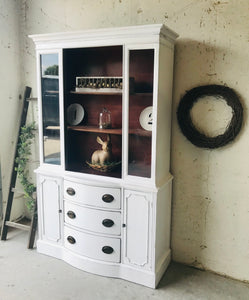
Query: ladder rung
x=15, y=190
x=17, y=225
x=31, y=99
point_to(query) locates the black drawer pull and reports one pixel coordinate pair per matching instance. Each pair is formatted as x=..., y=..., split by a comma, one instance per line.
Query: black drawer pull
x=71, y=214
x=71, y=239
x=107, y=222
x=70, y=191
x=107, y=198
x=107, y=249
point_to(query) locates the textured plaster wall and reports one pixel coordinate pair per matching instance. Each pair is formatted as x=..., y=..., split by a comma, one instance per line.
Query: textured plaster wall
x=210, y=217
x=10, y=89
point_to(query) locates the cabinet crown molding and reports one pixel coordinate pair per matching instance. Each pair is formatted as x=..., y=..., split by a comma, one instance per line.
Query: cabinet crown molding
x=151, y=32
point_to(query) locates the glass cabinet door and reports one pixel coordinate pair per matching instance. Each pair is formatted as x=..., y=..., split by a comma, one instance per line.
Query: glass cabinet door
x=141, y=72
x=50, y=108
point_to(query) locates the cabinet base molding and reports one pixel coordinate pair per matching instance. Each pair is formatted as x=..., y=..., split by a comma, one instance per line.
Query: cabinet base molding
x=115, y=270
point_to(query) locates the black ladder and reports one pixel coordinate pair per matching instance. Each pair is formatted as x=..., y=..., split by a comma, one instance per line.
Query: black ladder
x=6, y=220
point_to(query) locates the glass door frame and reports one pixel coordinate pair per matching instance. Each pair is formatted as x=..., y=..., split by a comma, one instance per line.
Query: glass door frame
x=131, y=178
x=40, y=111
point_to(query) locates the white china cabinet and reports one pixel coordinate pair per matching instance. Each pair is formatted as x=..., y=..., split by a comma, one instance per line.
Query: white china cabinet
x=107, y=90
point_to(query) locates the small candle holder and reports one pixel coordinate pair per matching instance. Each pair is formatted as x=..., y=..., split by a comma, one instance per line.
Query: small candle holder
x=105, y=119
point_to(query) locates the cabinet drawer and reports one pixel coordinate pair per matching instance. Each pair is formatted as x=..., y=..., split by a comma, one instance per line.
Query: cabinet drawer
x=92, y=195
x=100, y=221
x=92, y=246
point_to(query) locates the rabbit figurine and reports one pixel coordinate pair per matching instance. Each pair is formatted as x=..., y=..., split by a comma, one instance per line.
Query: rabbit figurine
x=104, y=155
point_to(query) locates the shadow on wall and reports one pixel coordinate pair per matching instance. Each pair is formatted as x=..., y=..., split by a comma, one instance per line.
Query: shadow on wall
x=195, y=191
x=198, y=63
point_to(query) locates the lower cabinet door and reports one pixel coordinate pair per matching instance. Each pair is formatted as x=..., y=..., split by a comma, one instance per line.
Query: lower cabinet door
x=49, y=208
x=92, y=246
x=137, y=230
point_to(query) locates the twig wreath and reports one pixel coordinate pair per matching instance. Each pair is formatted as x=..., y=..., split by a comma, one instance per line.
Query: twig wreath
x=218, y=92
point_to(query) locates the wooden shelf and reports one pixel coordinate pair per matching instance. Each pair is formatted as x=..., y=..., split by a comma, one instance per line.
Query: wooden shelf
x=96, y=92
x=96, y=129
x=108, y=93
x=140, y=132
x=82, y=167
x=52, y=128
x=142, y=94
x=117, y=131
x=52, y=92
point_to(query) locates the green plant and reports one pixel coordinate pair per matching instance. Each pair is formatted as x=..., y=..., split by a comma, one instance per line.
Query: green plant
x=23, y=148
x=52, y=70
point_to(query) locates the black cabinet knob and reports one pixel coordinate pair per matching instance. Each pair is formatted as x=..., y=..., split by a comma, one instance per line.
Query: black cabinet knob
x=71, y=239
x=107, y=222
x=70, y=191
x=107, y=198
x=71, y=214
x=107, y=249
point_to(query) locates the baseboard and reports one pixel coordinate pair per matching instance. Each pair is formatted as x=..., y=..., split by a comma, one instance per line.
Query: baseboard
x=115, y=270
x=162, y=266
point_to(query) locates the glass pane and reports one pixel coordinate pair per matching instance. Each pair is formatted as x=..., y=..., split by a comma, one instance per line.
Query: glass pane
x=50, y=108
x=141, y=67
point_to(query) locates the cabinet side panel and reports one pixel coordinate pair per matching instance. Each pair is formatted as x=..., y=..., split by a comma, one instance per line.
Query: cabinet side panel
x=165, y=81
x=137, y=241
x=163, y=224
x=50, y=207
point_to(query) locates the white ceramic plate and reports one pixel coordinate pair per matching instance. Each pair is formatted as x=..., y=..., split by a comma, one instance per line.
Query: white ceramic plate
x=75, y=114
x=146, y=118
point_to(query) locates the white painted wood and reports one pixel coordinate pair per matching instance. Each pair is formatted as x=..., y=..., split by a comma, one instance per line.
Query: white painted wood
x=91, y=246
x=132, y=178
x=162, y=217
x=105, y=36
x=99, y=267
x=163, y=113
x=125, y=111
x=92, y=219
x=39, y=103
x=61, y=110
x=92, y=195
x=50, y=208
x=162, y=267
x=137, y=234
x=40, y=112
x=141, y=207
x=104, y=268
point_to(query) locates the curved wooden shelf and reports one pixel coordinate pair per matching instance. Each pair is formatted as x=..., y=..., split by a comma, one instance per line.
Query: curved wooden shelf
x=140, y=132
x=96, y=129
x=149, y=94
x=117, y=131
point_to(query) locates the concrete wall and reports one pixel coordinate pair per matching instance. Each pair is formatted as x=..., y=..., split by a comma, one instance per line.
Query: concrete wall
x=11, y=91
x=210, y=198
